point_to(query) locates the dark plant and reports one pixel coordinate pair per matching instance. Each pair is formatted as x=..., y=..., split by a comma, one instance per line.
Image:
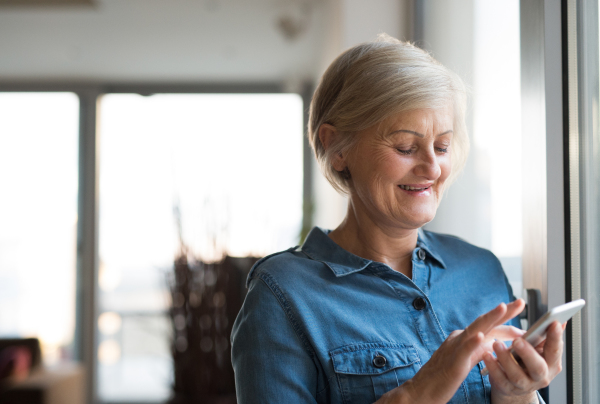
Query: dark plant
x=206, y=298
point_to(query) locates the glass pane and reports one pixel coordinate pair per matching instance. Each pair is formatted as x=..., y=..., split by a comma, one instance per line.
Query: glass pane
x=229, y=166
x=38, y=218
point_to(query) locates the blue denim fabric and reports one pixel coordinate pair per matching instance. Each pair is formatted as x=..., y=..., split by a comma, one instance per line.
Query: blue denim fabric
x=316, y=317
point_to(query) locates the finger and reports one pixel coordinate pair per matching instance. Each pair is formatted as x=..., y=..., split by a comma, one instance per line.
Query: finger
x=488, y=345
x=455, y=333
x=554, y=346
x=473, y=342
x=536, y=365
x=501, y=314
x=505, y=333
x=513, y=309
x=487, y=321
x=497, y=376
x=514, y=372
x=468, y=346
x=540, y=348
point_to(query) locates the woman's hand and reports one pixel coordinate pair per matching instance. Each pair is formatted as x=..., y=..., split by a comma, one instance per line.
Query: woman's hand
x=513, y=383
x=439, y=379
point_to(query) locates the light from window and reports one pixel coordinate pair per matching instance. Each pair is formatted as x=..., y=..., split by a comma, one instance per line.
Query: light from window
x=38, y=218
x=228, y=166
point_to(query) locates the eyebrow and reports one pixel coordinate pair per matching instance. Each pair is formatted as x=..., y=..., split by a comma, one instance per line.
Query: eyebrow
x=417, y=133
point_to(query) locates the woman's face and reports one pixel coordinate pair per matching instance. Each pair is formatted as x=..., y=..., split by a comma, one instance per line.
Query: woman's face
x=398, y=168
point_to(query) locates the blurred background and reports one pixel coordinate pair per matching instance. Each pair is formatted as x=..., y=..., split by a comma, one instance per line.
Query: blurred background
x=137, y=132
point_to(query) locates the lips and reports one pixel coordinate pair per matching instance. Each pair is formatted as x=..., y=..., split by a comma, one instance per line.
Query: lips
x=415, y=187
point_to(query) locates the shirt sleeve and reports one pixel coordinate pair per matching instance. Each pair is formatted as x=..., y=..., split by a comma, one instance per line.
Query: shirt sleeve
x=271, y=363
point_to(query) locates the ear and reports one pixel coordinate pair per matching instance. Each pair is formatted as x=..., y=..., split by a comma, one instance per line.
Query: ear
x=328, y=135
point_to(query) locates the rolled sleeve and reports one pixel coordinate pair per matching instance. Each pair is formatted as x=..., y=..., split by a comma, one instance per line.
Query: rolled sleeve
x=271, y=363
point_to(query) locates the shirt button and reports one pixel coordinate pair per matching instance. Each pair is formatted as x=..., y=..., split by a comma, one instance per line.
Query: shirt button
x=419, y=303
x=379, y=361
x=421, y=254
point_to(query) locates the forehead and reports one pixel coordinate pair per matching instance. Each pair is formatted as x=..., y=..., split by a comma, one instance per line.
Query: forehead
x=425, y=121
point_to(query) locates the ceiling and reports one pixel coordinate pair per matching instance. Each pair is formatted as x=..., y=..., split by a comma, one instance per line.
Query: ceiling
x=164, y=40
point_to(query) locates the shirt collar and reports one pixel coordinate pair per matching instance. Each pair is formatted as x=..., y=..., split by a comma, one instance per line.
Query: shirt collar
x=319, y=247
x=425, y=242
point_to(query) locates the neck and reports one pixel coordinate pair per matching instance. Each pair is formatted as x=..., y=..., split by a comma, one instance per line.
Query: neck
x=362, y=236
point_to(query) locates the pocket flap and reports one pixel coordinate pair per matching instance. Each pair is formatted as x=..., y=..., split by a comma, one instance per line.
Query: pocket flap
x=372, y=358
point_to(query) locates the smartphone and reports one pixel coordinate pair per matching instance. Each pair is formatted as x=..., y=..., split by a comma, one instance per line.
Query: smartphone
x=563, y=313
x=537, y=332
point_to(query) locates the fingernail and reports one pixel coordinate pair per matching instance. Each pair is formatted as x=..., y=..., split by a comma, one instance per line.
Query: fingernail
x=519, y=344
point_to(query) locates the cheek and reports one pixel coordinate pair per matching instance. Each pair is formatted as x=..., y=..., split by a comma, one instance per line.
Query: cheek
x=378, y=167
x=390, y=170
x=390, y=175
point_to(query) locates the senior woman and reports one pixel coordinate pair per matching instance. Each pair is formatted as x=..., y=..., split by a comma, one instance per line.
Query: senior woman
x=379, y=310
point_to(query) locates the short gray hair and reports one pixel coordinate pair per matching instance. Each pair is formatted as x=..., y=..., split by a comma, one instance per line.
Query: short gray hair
x=373, y=81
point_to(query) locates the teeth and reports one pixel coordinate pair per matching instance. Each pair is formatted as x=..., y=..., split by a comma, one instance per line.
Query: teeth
x=406, y=187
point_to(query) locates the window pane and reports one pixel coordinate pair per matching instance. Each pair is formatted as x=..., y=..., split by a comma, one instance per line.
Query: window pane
x=38, y=218
x=230, y=165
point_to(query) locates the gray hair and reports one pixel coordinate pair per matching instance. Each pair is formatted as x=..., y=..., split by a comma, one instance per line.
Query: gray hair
x=373, y=81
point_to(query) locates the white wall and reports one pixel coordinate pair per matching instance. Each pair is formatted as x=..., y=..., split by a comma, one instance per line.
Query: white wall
x=160, y=40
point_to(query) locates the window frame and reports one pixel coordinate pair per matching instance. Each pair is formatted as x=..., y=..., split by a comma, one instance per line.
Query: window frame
x=560, y=74
x=545, y=214
x=582, y=92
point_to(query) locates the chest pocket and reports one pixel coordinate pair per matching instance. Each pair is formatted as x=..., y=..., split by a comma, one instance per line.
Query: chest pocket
x=367, y=371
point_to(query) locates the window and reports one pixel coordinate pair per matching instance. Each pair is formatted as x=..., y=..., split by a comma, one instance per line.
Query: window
x=227, y=167
x=38, y=218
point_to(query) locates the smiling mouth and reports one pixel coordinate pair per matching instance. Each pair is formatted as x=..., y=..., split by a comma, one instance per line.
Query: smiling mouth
x=409, y=188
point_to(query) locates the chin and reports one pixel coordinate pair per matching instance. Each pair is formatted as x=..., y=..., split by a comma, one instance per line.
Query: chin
x=420, y=219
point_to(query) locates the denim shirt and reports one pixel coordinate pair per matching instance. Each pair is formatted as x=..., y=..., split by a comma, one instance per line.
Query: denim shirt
x=321, y=325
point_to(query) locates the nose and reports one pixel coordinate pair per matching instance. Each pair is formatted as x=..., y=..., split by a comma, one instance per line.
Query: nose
x=428, y=166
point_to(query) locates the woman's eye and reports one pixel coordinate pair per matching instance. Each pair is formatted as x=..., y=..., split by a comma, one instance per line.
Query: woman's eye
x=404, y=151
x=411, y=150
